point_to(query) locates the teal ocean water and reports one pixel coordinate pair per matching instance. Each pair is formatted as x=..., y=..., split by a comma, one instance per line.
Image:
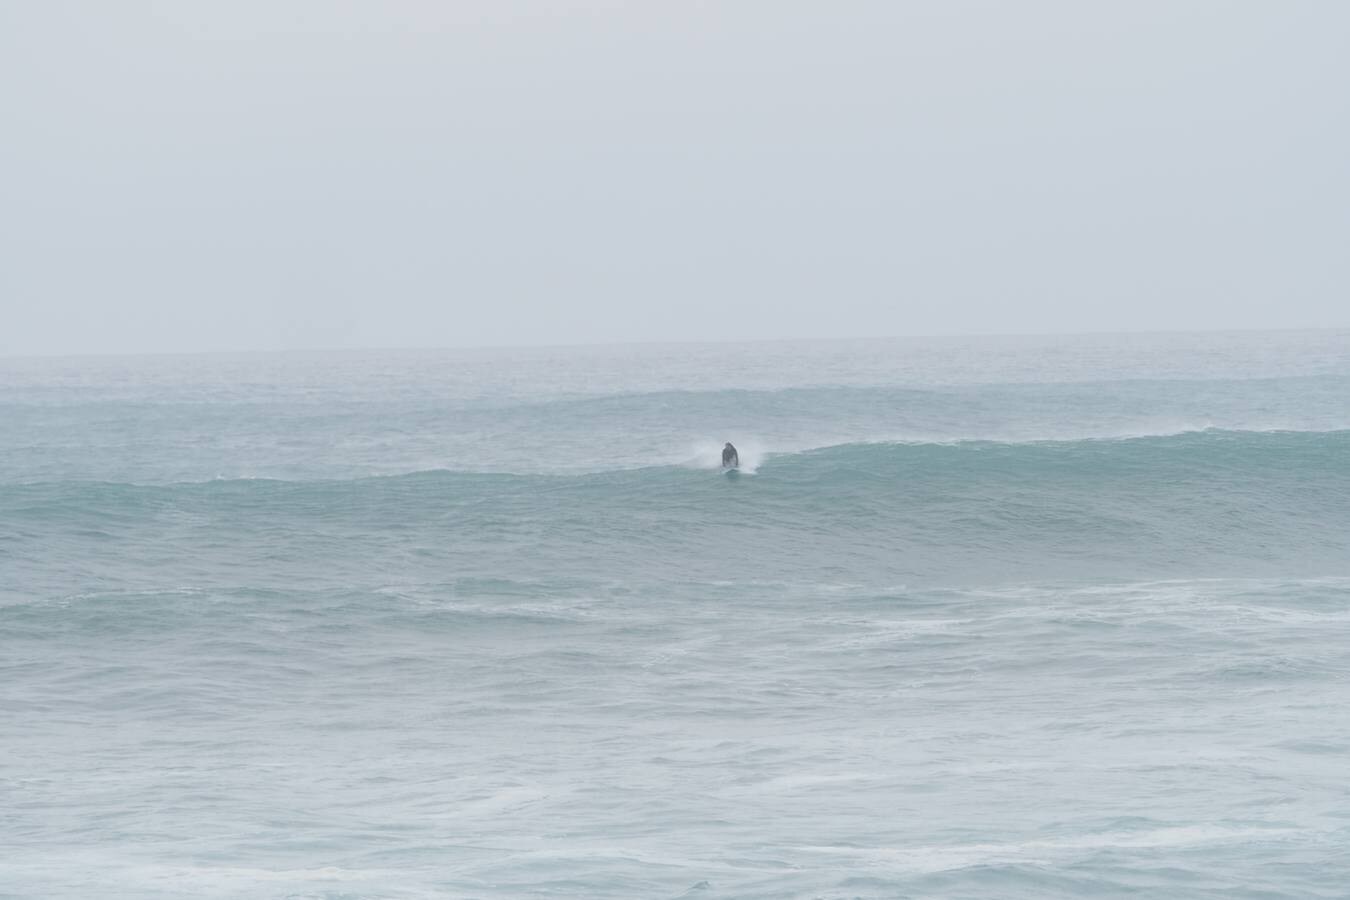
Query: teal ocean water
x=984, y=617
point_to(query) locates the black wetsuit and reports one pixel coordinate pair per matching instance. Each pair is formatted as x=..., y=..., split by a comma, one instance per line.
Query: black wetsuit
x=730, y=458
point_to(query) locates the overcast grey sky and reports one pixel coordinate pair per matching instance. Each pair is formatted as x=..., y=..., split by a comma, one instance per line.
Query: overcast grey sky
x=180, y=176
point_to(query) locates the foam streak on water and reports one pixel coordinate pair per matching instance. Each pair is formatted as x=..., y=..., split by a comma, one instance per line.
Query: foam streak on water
x=1009, y=619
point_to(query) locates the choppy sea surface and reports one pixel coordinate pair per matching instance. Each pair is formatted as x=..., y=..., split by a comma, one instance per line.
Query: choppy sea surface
x=984, y=617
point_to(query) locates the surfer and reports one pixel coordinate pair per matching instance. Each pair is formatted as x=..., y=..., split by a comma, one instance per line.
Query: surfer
x=730, y=458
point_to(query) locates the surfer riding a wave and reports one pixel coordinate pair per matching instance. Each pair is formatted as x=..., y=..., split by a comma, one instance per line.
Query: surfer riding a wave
x=730, y=458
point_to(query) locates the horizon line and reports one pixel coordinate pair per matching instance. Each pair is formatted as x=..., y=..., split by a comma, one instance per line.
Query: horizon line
x=583, y=345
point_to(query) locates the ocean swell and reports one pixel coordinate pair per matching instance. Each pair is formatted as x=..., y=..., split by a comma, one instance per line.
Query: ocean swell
x=1232, y=503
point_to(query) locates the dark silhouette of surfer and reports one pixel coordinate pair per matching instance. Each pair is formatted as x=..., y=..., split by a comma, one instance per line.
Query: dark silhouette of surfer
x=730, y=458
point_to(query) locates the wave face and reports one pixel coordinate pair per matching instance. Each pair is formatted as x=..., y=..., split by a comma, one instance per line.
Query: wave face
x=1015, y=618
x=1203, y=504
